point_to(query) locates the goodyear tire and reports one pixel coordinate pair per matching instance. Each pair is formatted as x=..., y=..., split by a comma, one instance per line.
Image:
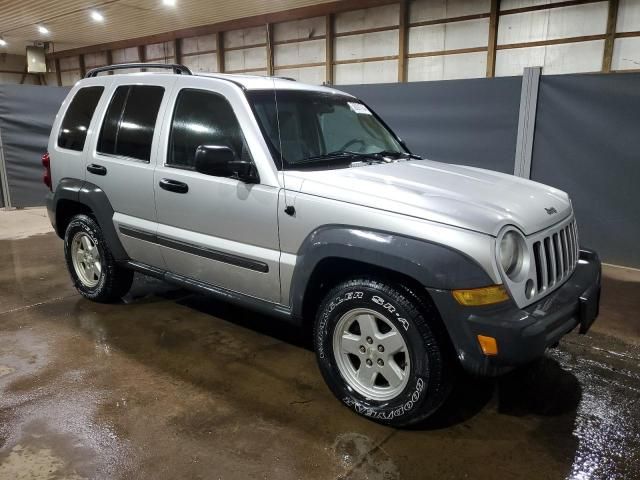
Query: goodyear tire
x=380, y=352
x=94, y=272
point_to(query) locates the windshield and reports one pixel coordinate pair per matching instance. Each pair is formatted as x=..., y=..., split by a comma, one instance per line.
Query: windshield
x=319, y=128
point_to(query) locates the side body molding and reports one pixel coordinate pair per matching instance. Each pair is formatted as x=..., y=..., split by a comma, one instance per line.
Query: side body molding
x=433, y=265
x=93, y=197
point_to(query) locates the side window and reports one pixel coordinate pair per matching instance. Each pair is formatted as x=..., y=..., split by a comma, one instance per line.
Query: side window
x=109, y=131
x=73, y=130
x=130, y=121
x=203, y=118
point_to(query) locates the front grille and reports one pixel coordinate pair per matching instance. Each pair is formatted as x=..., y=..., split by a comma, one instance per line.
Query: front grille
x=555, y=256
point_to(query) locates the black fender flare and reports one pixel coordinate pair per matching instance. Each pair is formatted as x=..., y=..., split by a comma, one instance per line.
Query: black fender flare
x=92, y=196
x=431, y=264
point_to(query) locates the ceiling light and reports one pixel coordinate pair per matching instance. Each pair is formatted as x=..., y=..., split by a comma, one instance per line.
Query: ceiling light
x=3, y=42
x=169, y=3
x=97, y=16
x=43, y=30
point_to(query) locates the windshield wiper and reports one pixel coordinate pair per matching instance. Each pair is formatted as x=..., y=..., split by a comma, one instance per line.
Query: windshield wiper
x=343, y=154
x=342, y=157
x=392, y=154
x=322, y=161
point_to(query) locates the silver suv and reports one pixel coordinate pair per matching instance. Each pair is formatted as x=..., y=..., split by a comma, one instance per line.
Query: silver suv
x=298, y=201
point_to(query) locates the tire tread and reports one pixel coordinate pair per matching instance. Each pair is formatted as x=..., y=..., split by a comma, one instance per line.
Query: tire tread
x=117, y=279
x=420, y=311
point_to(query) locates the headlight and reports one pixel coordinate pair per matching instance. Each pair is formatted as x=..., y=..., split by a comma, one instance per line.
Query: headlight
x=511, y=254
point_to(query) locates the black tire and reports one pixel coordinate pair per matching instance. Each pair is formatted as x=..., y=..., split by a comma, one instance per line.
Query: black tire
x=114, y=281
x=430, y=377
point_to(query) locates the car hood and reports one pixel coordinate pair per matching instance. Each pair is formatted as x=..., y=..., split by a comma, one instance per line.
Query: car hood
x=466, y=197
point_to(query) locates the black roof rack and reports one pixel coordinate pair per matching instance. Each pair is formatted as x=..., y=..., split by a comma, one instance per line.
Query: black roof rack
x=176, y=67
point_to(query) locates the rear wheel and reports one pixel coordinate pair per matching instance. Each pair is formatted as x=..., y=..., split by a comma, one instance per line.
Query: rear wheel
x=378, y=352
x=95, y=273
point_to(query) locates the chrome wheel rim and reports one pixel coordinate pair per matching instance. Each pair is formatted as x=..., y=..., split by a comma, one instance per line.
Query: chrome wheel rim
x=86, y=259
x=371, y=354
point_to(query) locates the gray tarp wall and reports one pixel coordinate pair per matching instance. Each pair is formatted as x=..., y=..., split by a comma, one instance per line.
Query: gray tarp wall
x=1, y=196
x=26, y=115
x=587, y=140
x=471, y=122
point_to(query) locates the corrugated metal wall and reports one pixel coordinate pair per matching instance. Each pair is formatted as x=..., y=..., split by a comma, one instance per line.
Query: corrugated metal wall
x=456, y=49
x=445, y=39
x=199, y=53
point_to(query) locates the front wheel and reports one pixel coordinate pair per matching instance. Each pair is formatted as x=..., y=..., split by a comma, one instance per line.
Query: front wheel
x=95, y=273
x=379, y=353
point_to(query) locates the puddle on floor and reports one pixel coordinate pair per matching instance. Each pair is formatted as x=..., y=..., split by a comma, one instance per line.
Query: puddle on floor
x=28, y=463
x=6, y=370
x=362, y=459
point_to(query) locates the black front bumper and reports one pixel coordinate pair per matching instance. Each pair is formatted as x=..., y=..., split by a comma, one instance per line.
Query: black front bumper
x=522, y=335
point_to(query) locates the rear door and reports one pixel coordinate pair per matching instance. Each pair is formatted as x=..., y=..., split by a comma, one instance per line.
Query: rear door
x=121, y=161
x=218, y=230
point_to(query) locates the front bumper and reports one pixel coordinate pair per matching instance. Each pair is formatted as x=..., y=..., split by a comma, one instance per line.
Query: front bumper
x=522, y=335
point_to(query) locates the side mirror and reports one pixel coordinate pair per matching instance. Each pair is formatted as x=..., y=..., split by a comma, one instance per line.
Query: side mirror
x=221, y=161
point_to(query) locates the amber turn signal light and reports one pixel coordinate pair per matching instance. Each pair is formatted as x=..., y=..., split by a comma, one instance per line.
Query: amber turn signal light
x=481, y=296
x=488, y=345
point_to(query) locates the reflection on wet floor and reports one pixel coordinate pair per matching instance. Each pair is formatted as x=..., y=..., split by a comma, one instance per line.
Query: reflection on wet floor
x=174, y=385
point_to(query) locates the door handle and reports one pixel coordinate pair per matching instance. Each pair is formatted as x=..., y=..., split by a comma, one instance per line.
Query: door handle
x=173, y=186
x=97, y=169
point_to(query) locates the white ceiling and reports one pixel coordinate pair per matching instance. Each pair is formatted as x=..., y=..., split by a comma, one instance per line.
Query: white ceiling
x=70, y=25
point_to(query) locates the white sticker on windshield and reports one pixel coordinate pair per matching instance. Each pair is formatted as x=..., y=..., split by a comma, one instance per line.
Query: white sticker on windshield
x=359, y=108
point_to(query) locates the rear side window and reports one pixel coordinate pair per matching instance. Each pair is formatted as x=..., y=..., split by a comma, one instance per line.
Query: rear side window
x=203, y=118
x=130, y=121
x=73, y=130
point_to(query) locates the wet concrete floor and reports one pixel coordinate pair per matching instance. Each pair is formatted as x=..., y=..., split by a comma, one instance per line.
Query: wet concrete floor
x=175, y=385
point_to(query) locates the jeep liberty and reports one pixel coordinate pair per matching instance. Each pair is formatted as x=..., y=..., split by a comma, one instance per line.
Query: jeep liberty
x=299, y=201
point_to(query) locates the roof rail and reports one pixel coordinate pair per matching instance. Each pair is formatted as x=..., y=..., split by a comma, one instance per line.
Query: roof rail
x=176, y=67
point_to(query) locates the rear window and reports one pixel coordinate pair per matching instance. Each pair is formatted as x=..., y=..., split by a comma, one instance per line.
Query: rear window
x=73, y=130
x=130, y=121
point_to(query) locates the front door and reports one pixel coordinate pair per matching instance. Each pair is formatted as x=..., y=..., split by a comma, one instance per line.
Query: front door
x=217, y=230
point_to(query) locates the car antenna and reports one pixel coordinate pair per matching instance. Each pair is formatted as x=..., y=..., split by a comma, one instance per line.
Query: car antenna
x=288, y=209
